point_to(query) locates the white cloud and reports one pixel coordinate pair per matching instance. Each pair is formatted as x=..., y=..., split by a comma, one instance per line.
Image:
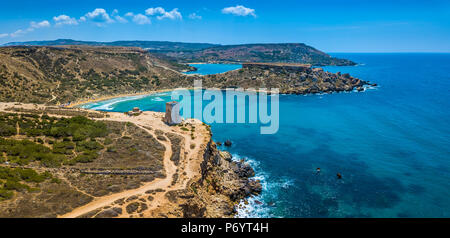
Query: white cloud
x=154, y=11
x=173, y=15
x=115, y=15
x=99, y=15
x=239, y=10
x=141, y=19
x=120, y=19
x=160, y=13
x=33, y=26
x=195, y=16
x=41, y=24
x=65, y=20
x=18, y=33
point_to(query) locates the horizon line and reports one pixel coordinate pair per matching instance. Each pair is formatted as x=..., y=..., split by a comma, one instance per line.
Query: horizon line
x=222, y=44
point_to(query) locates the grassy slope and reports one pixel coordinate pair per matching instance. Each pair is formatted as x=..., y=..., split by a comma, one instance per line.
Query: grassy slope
x=58, y=75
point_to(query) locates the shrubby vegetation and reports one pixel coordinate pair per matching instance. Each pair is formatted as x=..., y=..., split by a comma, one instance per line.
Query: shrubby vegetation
x=18, y=179
x=55, y=140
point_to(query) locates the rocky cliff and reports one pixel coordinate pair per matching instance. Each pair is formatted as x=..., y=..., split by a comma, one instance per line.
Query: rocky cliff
x=220, y=188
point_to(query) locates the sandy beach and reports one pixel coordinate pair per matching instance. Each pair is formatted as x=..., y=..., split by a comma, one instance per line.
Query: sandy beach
x=103, y=98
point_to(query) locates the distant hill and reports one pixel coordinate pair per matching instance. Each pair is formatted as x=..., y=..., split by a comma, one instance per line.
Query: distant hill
x=52, y=43
x=148, y=45
x=269, y=53
x=205, y=52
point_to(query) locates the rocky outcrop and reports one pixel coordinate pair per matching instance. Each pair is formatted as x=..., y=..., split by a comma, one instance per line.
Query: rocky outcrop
x=288, y=78
x=228, y=143
x=231, y=179
x=223, y=183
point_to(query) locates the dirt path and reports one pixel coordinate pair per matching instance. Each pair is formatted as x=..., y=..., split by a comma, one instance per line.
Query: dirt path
x=188, y=168
x=153, y=120
x=52, y=93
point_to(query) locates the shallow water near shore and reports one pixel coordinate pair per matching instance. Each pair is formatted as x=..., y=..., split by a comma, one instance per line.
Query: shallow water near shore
x=391, y=144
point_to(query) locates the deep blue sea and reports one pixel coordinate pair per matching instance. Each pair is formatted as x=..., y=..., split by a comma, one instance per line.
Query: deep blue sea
x=391, y=144
x=205, y=69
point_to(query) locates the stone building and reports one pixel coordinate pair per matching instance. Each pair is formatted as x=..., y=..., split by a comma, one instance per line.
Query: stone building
x=135, y=112
x=172, y=116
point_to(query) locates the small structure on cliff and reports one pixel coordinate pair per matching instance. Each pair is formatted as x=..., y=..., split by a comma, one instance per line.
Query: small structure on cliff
x=135, y=112
x=172, y=116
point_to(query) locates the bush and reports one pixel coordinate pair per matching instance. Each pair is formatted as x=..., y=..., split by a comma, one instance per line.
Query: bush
x=86, y=157
x=91, y=145
x=5, y=194
x=7, y=130
x=14, y=185
x=108, y=141
x=65, y=147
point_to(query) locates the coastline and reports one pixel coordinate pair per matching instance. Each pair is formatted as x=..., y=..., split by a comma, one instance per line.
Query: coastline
x=104, y=98
x=286, y=92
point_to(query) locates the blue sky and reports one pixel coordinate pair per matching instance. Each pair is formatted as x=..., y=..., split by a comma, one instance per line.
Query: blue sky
x=331, y=26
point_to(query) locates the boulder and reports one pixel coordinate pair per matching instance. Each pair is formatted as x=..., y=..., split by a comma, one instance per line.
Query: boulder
x=225, y=155
x=255, y=187
x=108, y=213
x=243, y=170
x=114, y=188
x=132, y=207
x=228, y=143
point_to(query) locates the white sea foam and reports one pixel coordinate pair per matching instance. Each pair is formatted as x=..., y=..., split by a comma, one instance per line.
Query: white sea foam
x=161, y=94
x=263, y=204
x=109, y=104
x=158, y=99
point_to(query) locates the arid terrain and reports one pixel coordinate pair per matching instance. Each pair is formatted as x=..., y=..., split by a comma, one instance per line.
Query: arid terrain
x=141, y=168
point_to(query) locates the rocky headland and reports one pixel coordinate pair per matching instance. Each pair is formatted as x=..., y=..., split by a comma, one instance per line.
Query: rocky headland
x=288, y=78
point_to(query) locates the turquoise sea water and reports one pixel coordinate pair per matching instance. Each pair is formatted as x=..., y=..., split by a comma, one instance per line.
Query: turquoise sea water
x=205, y=69
x=391, y=144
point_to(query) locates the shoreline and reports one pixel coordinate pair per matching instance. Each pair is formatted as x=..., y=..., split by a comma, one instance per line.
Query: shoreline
x=105, y=98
